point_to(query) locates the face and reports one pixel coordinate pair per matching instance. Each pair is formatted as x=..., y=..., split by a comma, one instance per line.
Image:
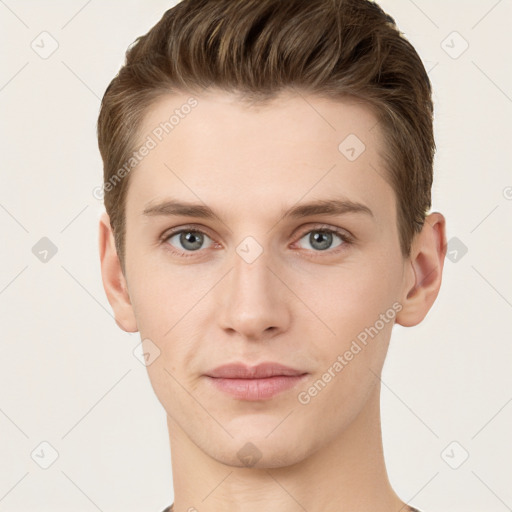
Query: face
x=262, y=278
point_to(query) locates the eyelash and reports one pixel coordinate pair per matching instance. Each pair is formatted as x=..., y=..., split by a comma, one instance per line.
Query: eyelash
x=345, y=237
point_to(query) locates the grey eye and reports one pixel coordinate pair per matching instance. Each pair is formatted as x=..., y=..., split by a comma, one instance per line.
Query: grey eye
x=321, y=240
x=189, y=240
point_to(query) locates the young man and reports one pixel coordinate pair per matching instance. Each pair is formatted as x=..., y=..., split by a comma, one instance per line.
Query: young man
x=268, y=171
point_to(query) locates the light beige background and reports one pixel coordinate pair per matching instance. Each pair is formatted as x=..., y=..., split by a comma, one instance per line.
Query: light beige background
x=68, y=374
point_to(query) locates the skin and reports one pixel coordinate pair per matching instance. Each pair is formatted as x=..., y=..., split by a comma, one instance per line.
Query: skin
x=295, y=304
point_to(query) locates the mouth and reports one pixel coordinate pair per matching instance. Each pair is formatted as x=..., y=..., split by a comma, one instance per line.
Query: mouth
x=261, y=382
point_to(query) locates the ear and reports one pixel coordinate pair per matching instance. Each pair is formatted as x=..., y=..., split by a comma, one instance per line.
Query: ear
x=114, y=281
x=423, y=271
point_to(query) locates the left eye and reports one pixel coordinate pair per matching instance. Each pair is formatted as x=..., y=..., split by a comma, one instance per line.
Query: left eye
x=322, y=239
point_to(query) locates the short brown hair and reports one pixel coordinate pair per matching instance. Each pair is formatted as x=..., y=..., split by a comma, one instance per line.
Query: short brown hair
x=259, y=48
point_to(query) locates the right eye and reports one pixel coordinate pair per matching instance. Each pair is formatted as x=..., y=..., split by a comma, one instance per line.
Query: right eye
x=186, y=240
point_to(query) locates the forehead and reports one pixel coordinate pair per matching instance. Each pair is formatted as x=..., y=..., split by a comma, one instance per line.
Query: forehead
x=216, y=148
x=290, y=116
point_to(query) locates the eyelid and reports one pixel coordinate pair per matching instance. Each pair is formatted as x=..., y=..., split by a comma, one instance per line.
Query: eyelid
x=187, y=227
x=327, y=227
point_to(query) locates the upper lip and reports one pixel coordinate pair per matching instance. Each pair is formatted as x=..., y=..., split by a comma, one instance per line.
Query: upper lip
x=260, y=371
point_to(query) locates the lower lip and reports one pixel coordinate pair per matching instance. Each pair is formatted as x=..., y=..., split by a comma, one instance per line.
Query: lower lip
x=256, y=389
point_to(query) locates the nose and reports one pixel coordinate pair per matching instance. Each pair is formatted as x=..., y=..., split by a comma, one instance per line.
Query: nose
x=253, y=301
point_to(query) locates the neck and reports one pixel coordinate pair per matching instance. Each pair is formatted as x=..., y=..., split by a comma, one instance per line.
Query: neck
x=347, y=474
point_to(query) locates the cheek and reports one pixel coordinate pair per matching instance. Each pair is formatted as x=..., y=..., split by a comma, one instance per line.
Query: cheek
x=350, y=297
x=348, y=303
x=167, y=300
x=153, y=304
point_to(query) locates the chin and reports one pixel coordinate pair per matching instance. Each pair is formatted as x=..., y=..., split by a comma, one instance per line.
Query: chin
x=258, y=451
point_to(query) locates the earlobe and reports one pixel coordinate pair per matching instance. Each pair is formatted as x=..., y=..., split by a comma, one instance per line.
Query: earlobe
x=424, y=274
x=114, y=281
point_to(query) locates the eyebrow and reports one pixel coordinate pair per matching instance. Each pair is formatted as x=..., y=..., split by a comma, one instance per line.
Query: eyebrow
x=172, y=207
